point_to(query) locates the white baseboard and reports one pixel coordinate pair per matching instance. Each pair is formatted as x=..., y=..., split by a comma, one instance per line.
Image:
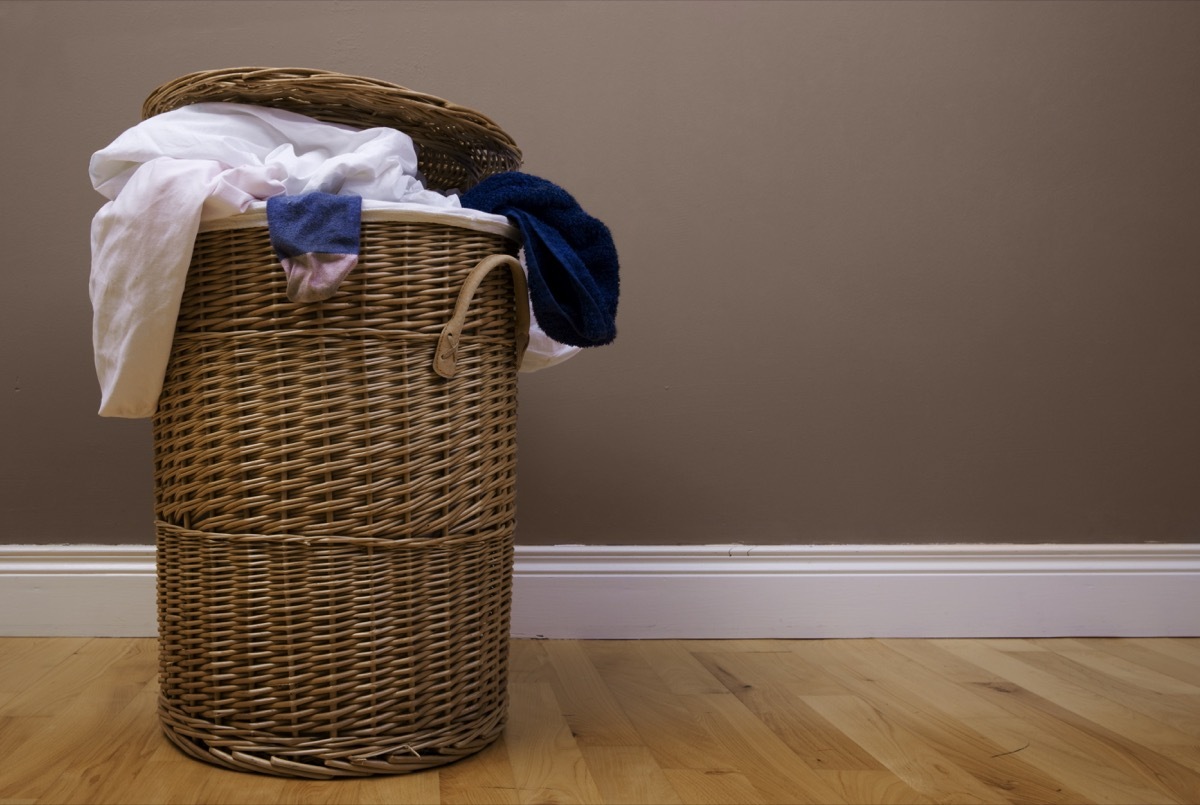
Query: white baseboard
x=714, y=591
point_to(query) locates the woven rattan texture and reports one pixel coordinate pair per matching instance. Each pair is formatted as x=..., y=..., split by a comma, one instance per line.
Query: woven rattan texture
x=457, y=147
x=336, y=520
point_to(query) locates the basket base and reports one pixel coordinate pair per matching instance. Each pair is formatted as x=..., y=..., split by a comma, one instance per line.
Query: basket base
x=318, y=760
x=332, y=660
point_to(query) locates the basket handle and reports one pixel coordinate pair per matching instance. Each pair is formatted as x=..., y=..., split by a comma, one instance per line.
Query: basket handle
x=445, y=360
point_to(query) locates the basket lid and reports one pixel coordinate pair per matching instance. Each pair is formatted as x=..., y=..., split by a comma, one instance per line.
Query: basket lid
x=457, y=147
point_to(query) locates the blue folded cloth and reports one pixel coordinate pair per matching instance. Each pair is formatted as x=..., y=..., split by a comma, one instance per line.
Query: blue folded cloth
x=572, y=261
x=315, y=237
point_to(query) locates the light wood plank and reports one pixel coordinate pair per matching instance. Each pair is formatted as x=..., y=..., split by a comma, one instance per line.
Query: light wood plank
x=673, y=732
x=678, y=667
x=771, y=686
x=697, y=787
x=26, y=659
x=800, y=670
x=589, y=706
x=1179, y=711
x=1185, y=649
x=1125, y=671
x=739, y=646
x=79, y=701
x=170, y=777
x=1011, y=644
x=1143, y=655
x=547, y=763
x=753, y=748
x=227, y=786
x=1095, y=762
x=903, y=752
x=419, y=787
x=1064, y=688
x=100, y=773
x=527, y=661
x=51, y=688
x=880, y=787
x=485, y=779
x=628, y=775
x=907, y=696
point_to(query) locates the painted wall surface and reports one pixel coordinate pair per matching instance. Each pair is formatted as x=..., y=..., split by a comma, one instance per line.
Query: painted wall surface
x=892, y=272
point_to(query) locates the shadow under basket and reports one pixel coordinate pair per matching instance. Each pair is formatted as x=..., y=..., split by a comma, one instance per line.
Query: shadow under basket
x=335, y=494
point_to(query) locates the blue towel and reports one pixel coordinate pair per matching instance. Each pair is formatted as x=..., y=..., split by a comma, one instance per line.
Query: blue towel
x=315, y=237
x=572, y=261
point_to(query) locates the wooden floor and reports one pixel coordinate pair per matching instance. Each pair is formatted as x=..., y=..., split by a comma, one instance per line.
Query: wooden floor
x=820, y=721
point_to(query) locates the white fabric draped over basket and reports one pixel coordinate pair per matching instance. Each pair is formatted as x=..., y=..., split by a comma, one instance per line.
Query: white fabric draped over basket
x=175, y=172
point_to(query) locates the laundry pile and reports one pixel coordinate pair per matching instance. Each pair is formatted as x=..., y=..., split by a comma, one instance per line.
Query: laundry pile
x=171, y=174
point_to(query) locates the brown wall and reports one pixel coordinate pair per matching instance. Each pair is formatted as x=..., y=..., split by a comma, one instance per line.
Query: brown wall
x=895, y=272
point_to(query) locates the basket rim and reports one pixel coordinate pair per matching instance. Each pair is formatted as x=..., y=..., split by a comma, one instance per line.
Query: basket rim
x=379, y=212
x=458, y=132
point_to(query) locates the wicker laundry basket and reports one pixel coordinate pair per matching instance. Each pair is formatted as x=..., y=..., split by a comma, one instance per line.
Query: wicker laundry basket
x=335, y=481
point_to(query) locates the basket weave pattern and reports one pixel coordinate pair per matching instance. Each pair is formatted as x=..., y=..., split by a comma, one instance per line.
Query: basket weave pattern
x=336, y=520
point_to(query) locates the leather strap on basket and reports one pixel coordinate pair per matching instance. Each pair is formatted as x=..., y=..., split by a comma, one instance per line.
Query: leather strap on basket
x=445, y=360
